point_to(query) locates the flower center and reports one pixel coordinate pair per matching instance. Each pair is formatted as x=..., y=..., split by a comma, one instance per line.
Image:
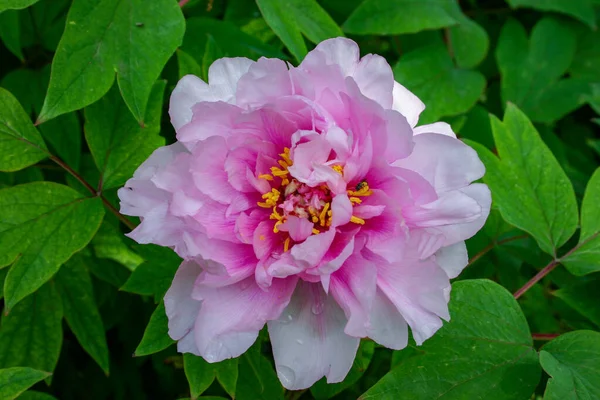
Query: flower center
x=293, y=198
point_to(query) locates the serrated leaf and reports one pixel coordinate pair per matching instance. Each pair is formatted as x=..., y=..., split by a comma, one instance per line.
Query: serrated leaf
x=486, y=345
x=154, y=276
x=231, y=40
x=81, y=312
x=257, y=378
x=394, y=17
x=117, y=142
x=10, y=32
x=580, y=9
x=156, y=337
x=15, y=4
x=293, y=18
x=323, y=390
x=532, y=69
x=430, y=74
x=199, y=373
x=583, y=296
x=31, y=334
x=20, y=143
x=585, y=257
x=14, y=381
x=41, y=225
x=572, y=362
x=528, y=185
x=134, y=38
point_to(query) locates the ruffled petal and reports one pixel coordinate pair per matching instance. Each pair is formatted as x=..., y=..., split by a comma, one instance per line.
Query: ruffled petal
x=452, y=259
x=308, y=339
x=407, y=104
x=231, y=317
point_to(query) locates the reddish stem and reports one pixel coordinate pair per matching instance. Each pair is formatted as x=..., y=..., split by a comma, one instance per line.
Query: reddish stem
x=183, y=2
x=543, y=272
x=492, y=245
x=544, y=336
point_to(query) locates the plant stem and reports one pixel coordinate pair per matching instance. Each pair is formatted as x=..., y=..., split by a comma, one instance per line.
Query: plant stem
x=492, y=245
x=543, y=272
x=93, y=191
x=183, y=2
x=544, y=336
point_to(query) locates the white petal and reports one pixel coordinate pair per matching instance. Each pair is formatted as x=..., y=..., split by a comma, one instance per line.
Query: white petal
x=407, y=104
x=308, y=339
x=341, y=51
x=452, y=259
x=224, y=74
x=189, y=91
x=441, y=128
x=388, y=327
x=181, y=308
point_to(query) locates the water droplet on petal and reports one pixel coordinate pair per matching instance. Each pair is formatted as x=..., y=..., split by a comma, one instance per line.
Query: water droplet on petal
x=317, y=308
x=286, y=375
x=299, y=341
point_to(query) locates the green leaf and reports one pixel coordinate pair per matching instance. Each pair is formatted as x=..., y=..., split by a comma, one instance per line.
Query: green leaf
x=394, y=17
x=107, y=271
x=102, y=37
x=572, y=362
x=156, y=337
x=14, y=381
x=10, y=32
x=228, y=37
x=187, y=64
x=20, y=143
x=32, y=395
x=584, y=297
x=468, y=40
x=63, y=134
x=430, y=74
x=117, y=142
x=199, y=373
x=593, y=99
x=15, y=4
x=585, y=257
x=257, y=379
x=3, y=273
x=323, y=390
x=293, y=18
x=212, y=52
x=81, y=312
x=42, y=225
x=586, y=63
x=532, y=69
x=580, y=9
x=31, y=335
x=109, y=243
x=485, y=352
x=154, y=276
x=227, y=375
x=528, y=185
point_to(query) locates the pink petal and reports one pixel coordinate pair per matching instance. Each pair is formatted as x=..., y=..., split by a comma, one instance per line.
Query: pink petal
x=224, y=75
x=452, y=259
x=298, y=228
x=451, y=208
x=208, y=120
x=208, y=171
x=231, y=317
x=375, y=79
x=441, y=128
x=388, y=327
x=337, y=51
x=308, y=339
x=267, y=80
x=341, y=210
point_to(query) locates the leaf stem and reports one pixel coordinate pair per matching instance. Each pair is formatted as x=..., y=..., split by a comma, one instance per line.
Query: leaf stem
x=543, y=272
x=544, y=336
x=93, y=191
x=183, y=2
x=294, y=394
x=492, y=245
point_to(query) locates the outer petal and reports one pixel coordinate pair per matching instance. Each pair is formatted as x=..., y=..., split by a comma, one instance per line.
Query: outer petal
x=441, y=128
x=223, y=76
x=407, y=104
x=453, y=259
x=308, y=339
x=388, y=327
x=445, y=162
x=181, y=308
x=230, y=317
x=339, y=51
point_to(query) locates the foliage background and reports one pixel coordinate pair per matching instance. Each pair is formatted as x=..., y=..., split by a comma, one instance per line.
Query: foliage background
x=518, y=80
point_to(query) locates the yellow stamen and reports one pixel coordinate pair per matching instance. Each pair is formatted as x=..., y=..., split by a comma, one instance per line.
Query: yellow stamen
x=275, y=215
x=316, y=231
x=278, y=172
x=285, y=182
x=283, y=164
x=355, y=200
x=275, y=229
x=339, y=169
x=315, y=219
x=323, y=213
x=362, y=192
x=265, y=176
x=286, y=156
x=286, y=245
x=357, y=220
x=271, y=198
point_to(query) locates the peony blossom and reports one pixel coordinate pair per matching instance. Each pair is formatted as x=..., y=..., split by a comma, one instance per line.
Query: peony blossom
x=307, y=199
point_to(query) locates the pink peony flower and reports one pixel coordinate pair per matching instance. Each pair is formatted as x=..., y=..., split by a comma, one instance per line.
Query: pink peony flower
x=305, y=198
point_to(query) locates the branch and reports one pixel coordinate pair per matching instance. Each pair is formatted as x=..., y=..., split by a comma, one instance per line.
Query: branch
x=492, y=245
x=93, y=191
x=545, y=271
x=544, y=336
